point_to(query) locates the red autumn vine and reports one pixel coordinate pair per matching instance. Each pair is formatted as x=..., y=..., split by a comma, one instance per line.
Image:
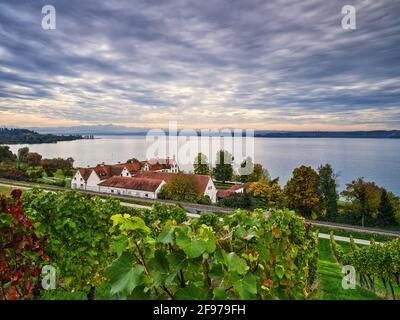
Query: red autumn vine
x=21, y=252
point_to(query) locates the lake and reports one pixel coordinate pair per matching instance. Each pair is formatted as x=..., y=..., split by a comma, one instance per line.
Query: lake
x=374, y=159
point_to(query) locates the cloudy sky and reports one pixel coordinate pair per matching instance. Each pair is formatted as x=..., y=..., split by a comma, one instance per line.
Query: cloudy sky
x=218, y=63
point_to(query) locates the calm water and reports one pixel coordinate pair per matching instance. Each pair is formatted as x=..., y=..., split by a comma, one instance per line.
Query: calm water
x=374, y=159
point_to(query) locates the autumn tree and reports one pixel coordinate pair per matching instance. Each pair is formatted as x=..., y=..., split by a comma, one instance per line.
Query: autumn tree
x=201, y=165
x=270, y=192
x=302, y=192
x=223, y=170
x=364, y=198
x=327, y=186
x=23, y=154
x=34, y=159
x=182, y=187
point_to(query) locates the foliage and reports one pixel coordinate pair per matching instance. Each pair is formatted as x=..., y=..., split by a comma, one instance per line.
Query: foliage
x=364, y=197
x=302, y=192
x=201, y=165
x=6, y=154
x=51, y=165
x=133, y=160
x=237, y=200
x=74, y=227
x=10, y=172
x=223, y=170
x=23, y=154
x=255, y=255
x=373, y=263
x=21, y=251
x=182, y=187
x=327, y=187
x=386, y=211
x=16, y=136
x=34, y=159
x=257, y=172
x=270, y=192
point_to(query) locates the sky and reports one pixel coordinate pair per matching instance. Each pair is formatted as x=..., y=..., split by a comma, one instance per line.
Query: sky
x=274, y=65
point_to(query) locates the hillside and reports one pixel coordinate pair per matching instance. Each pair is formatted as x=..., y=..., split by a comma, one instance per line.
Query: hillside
x=24, y=136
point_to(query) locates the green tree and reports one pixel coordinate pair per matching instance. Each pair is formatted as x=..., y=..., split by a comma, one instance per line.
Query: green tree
x=23, y=154
x=364, y=197
x=327, y=187
x=302, y=192
x=6, y=155
x=223, y=170
x=201, y=165
x=182, y=187
x=386, y=212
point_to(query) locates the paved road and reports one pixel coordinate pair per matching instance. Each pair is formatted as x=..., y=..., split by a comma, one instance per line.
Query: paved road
x=344, y=239
x=195, y=209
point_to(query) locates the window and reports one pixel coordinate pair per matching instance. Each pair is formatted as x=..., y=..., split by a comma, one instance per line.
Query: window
x=146, y=195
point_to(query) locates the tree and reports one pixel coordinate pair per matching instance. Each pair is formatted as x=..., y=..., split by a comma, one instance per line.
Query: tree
x=386, y=212
x=302, y=192
x=269, y=192
x=246, y=168
x=34, y=159
x=23, y=154
x=133, y=160
x=201, y=165
x=223, y=170
x=327, y=187
x=182, y=187
x=6, y=155
x=365, y=198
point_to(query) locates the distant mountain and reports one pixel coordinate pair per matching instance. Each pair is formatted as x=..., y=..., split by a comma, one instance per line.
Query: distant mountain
x=377, y=134
x=25, y=136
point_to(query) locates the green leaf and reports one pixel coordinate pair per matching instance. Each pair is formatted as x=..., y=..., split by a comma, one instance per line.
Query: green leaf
x=236, y=264
x=193, y=248
x=246, y=287
x=119, y=244
x=191, y=292
x=279, y=270
x=123, y=276
x=167, y=236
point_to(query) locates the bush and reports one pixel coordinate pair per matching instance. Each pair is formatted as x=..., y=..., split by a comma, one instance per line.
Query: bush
x=255, y=255
x=21, y=251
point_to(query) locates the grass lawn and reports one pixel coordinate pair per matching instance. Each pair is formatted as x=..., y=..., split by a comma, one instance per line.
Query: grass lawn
x=330, y=279
x=222, y=186
x=5, y=190
x=102, y=293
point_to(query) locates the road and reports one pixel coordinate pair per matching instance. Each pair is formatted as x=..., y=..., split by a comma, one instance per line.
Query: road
x=195, y=209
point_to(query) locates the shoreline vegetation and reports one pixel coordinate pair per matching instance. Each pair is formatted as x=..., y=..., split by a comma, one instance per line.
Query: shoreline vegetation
x=25, y=136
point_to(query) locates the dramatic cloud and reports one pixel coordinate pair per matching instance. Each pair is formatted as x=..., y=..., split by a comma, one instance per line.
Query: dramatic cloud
x=227, y=63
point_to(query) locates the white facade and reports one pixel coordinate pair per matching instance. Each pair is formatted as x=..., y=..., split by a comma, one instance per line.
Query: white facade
x=131, y=192
x=211, y=191
x=93, y=181
x=78, y=182
x=125, y=173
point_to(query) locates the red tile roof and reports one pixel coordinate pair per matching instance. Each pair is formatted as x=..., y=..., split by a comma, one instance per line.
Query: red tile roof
x=229, y=192
x=132, y=183
x=201, y=180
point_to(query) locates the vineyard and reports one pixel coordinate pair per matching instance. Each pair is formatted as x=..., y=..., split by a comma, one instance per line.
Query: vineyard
x=105, y=250
x=377, y=265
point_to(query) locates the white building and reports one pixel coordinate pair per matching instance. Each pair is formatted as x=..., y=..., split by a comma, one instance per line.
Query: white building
x=142, y=179
x=136, y=187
